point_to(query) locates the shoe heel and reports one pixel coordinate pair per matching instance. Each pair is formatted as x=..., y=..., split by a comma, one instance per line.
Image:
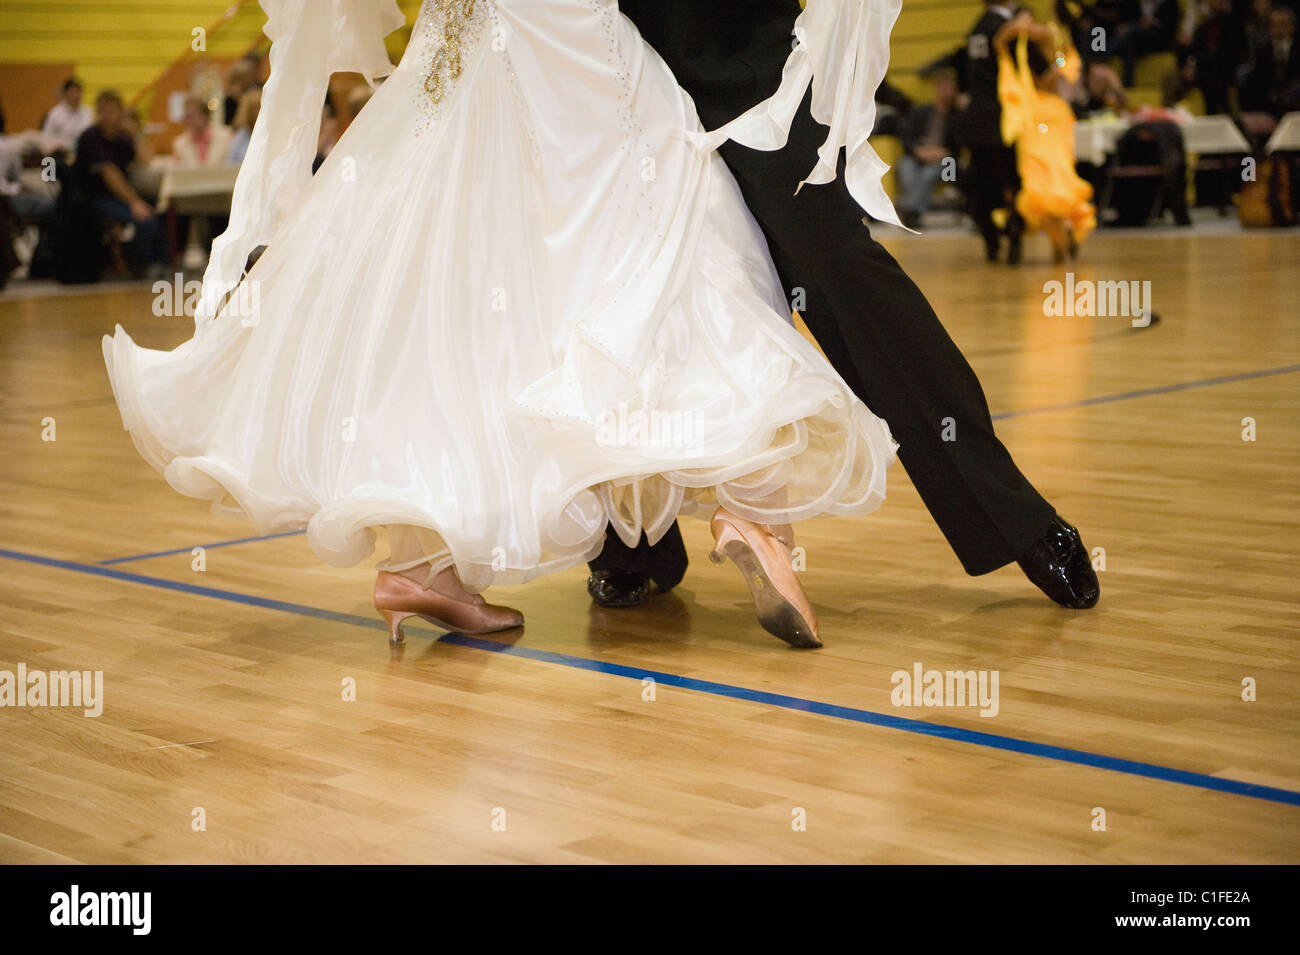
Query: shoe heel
x=394, y=620
x=724, y=533
x=779, y=613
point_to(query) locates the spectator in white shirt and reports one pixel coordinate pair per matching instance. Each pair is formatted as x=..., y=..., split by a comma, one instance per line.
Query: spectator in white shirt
x=68, y=118
x=201, y=144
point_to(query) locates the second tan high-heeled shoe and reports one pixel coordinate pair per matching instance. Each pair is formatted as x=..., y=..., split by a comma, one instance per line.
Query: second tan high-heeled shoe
x=779, y=599
x=398, y=597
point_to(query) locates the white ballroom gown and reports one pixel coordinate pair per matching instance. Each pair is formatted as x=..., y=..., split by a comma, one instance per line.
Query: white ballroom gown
x=521, y=299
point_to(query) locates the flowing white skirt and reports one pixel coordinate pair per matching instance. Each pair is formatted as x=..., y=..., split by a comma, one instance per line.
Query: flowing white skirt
x=498, y=322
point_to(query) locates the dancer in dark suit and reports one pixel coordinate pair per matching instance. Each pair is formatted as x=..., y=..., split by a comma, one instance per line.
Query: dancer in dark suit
x=991, y=177
x=870, y=319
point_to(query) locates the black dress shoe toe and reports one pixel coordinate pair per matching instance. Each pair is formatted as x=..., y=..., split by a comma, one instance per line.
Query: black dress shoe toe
x=618, y=589
x=1060, y=566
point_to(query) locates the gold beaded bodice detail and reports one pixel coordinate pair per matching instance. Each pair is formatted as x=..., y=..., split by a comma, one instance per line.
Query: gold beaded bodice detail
x=446, y=36
x=448, y=18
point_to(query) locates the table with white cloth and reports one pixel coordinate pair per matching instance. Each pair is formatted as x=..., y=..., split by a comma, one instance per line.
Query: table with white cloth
x=197, y=189
x=1213, y=136
x=1215, y=141
x=1217, y=144
x=1286, y=137
x=1095, y=139
x=194, y=190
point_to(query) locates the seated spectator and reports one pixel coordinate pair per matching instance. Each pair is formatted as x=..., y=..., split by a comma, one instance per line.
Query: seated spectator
x=1152, y=31
x=356, y=100
x=68, y=118
x=105, y=154
x=201, y=143
x=131, y=122
x=22, y=201
x=1099, y=91
x=24, y=205
x=241, y=78
x=892, y=107
x=1272, y=84
x=334, y=123
x=250, y=104
x=1153, y=139
x=146, y=176
x=927, y=133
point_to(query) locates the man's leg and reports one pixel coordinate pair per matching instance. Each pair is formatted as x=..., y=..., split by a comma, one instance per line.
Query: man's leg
x=149, y=246
x=1007, y=175
x=914, y=185
x=984, y=193
x=621, y=575
x=894, y=352
x=30, y=205
x=112, y=209
x=930, y=175
x=984, y=505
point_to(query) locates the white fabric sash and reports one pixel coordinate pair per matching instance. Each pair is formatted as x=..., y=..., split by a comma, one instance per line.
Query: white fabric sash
x=310, y=39
x=843, y=51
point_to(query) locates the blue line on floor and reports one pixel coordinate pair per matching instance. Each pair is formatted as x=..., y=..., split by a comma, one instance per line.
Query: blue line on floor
x=1147, y=392
x=953, y=733
x=188, y=550
x=266, y=603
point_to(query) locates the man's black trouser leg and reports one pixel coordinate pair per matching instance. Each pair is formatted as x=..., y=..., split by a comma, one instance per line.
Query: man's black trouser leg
x=884, y=339
x=665, y=563
x=992, y=183
x=875, y=326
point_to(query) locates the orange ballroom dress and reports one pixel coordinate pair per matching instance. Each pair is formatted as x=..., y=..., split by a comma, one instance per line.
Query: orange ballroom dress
x=1041, y=126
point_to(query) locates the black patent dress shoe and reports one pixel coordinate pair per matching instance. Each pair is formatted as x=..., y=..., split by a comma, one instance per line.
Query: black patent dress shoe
x=1059, y=565
x=618, y=589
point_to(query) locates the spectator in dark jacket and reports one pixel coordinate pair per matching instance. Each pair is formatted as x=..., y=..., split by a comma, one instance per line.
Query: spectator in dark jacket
x=1272, y=84
x=991, y=180
x=1150, y=27
x=1218, y=48
x=1094, y=27
x=927, y=133
x=892, y=107
x=105, y=153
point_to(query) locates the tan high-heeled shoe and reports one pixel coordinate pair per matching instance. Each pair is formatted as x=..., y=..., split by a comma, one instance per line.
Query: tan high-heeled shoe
x=457, y=610
x=782, y=606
